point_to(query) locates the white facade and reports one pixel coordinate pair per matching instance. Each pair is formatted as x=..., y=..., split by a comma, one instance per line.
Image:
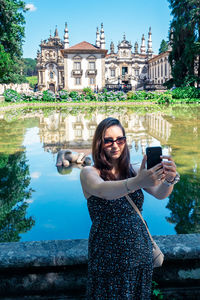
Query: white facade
x=83, y=70
x=85, y=65
x=159, y=68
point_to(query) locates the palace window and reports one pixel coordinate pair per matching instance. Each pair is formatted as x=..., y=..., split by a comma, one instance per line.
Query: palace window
x=92, y=65
x=112, y=73
x=78, y=133
x=162, y=70
x=92, y=80
x=51, y=75
x=77, y=65
x=124, y=70
x=77, y=80
x=136, y=72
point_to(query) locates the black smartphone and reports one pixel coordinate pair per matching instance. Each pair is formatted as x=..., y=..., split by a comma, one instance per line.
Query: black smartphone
x=153, y=156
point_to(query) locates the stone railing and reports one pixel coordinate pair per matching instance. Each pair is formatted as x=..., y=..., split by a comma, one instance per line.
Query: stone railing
x=20, y=88
x=58, y=269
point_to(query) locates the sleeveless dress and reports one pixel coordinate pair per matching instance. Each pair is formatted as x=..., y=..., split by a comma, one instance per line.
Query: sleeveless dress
x=119, y=250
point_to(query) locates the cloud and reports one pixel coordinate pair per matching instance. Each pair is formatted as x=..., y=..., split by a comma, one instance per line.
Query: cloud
x=35, y=175
x=30, y=7
x=29, y=201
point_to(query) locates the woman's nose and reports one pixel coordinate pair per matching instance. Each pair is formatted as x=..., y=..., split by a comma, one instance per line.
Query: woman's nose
x=114, y=144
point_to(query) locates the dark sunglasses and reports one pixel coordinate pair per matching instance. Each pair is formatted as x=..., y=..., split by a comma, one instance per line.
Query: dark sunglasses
x=109, y=142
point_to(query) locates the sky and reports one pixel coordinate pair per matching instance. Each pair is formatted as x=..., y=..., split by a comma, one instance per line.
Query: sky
x=131, y=17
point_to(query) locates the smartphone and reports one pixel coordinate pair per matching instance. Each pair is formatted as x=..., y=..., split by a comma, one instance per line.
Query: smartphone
x=153, y=156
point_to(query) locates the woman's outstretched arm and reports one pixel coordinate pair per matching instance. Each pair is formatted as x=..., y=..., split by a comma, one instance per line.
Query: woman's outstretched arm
x=93, y=184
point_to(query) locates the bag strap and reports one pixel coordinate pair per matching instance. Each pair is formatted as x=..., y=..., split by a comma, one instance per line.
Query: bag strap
x=137, y=210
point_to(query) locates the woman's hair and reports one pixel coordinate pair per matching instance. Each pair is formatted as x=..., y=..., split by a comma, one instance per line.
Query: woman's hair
x=100, y=159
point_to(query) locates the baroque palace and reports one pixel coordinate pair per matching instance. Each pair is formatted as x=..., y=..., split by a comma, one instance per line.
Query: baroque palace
x=85, y=65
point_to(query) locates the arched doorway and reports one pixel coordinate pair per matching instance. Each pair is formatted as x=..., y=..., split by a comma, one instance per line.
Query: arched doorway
x=52, y=87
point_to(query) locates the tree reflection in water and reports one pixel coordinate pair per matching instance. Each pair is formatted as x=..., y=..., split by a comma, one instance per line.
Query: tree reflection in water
x=184, y=202
x=14, y=193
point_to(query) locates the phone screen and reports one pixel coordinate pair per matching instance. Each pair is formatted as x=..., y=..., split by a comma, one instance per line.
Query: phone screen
x=153, y=156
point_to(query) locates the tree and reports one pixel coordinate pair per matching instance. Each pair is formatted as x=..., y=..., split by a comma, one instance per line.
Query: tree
x=12, y=34
x=29, y=68
x=5, y=65
x=14, y=193
x=163, y=46
x=184, y=34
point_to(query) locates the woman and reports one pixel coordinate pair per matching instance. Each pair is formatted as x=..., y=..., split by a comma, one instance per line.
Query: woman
x=119, y=249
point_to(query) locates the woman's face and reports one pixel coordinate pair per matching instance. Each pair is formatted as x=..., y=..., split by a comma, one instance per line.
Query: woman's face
x=114, y=149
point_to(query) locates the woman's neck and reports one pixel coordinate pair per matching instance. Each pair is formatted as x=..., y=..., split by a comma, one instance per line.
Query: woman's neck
x=115, y=170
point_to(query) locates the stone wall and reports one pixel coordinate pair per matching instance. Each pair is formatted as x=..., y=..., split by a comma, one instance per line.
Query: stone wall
x=58, y=269
x=20, y=88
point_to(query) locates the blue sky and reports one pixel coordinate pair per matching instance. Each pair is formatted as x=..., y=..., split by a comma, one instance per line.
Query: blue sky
x=133, y=18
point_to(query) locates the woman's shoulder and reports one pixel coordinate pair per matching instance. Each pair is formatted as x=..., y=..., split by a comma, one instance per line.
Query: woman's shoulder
x=89, y=170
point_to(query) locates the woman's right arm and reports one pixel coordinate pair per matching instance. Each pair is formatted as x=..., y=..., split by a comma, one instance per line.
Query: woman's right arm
x=93, y=184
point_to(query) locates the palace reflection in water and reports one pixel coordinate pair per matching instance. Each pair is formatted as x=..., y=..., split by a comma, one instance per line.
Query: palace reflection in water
x=76, y=132
x=51, y=130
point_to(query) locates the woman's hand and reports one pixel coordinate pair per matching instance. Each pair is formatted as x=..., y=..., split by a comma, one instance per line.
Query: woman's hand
x=169, y=168
x=151, y=177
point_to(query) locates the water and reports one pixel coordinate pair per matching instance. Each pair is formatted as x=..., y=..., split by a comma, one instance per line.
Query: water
x=39, y=203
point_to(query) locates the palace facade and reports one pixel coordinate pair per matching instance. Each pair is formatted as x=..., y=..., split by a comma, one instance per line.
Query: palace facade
x=85, y=65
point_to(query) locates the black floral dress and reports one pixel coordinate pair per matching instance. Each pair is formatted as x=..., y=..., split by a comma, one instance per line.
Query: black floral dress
x=119, y=250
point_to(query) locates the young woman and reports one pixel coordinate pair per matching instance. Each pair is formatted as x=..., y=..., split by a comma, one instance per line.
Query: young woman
x=119, y=249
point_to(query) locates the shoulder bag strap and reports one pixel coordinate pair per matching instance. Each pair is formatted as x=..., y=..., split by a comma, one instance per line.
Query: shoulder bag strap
x=137, y=210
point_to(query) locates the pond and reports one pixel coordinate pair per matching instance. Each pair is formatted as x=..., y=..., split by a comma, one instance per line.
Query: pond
x=39, y=202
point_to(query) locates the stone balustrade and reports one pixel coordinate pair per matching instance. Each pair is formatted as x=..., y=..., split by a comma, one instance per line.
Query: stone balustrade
x=58, y=269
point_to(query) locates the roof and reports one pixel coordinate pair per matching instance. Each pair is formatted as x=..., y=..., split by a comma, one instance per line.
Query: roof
x=84, y=47
x=158, y=56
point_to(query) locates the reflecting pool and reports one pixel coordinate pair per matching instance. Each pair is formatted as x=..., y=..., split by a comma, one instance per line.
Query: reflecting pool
x=39, y=202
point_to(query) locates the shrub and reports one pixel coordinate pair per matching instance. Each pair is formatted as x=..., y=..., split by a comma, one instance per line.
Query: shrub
x=48, y=96
x=139, y=95
x=12, y=96
x=186, y=92
x=130, y=95
x=74, y=95
x=63, y=95
x=111, y=96
x=87, y=90
x=165, y=98
x=26, y=97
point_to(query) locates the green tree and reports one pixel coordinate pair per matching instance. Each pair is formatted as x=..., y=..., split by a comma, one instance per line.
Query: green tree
x=14, y=193
x=12, y=34
x=184, y=52
x=163, y=46
x=5, y=65
x=12, y=26
x=29, y=68
x=195, y=18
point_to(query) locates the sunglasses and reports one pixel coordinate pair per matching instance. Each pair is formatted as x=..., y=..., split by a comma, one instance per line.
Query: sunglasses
x=108, y=142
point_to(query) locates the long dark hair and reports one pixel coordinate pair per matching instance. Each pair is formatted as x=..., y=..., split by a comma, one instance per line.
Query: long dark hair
x=100, y=159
